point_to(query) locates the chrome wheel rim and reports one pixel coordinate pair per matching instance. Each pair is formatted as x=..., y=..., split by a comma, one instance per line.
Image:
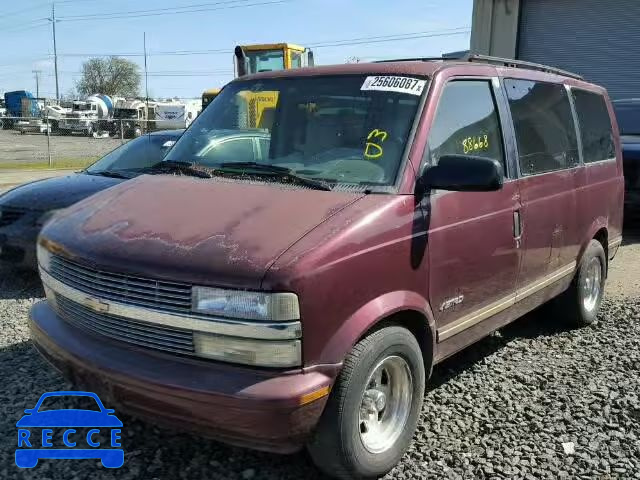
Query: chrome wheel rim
x=385, y=405
x=591, y=284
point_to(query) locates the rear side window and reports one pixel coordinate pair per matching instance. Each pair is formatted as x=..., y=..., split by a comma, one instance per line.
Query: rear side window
x=545, y=132
x=466, y=123
x=595, y=126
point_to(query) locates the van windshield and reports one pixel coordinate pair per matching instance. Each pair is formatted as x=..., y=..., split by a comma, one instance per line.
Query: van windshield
x=338, y=129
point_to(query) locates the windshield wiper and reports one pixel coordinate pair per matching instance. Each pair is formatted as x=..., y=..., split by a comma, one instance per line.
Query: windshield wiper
x=276, y=171
x=111, y=174
x=186, y=168
x=255, y=166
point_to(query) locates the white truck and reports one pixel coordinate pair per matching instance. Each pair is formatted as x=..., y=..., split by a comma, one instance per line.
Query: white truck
x=131, y=118
x=88, y=116
x=55, y=113
x=176, y=114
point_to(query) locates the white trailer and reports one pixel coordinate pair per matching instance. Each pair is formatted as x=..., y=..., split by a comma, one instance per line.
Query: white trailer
x=174, y=115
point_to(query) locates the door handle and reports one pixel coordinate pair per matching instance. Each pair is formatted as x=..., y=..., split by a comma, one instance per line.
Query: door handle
x=517, y=227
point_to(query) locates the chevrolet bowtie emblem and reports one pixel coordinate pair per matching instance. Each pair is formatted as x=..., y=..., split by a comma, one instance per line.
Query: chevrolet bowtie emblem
x=96, y=305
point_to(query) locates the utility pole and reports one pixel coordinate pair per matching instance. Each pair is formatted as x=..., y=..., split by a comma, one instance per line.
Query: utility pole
x=146, y=76
x=37, y=75
x=55, y=50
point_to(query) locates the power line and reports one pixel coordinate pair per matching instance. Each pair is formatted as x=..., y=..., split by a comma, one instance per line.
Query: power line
x=136, y=13
x=25, y=62
x=325, y=44
x=19, y=12
x=41, y=22
x=394, y=35
x=117, y=16
x=167, y=75
x=60, y=2
x=168, y=72
x=154, y=10
x=414, y=37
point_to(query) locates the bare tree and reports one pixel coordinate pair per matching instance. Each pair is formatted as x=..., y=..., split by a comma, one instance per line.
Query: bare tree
x=111, y=76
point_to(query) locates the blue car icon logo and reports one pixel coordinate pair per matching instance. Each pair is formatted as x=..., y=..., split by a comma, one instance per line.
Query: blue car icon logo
x=69, y=433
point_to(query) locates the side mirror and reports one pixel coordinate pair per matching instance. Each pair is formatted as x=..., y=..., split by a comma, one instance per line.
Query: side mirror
x=464, y=173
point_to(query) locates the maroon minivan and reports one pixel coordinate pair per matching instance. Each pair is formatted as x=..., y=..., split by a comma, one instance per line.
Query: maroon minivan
x=298, y=293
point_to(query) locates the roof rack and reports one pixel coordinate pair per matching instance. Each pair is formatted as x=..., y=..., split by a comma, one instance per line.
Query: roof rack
x=507, y=62
x=416, y=59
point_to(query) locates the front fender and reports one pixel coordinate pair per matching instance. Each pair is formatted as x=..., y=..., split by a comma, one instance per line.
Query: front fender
x=372, y=313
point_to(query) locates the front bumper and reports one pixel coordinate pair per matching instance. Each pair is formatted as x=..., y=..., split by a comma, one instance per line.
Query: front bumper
x=253, y=408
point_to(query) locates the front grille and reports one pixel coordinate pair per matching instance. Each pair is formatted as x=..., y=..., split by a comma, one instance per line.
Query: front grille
x=143, y=334
x=9, y=215
x=126, y=289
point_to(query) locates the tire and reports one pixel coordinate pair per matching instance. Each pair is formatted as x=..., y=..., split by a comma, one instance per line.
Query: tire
x=343, y=446
x=580, y=303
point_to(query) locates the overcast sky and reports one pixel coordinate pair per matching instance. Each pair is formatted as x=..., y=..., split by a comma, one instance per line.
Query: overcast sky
x=400, y=28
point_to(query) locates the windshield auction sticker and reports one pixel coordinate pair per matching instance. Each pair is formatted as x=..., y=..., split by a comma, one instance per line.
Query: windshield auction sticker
x=386, y=83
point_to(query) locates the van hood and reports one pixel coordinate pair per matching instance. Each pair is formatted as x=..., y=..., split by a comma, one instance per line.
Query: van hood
x=210, y=232
x=58, y=192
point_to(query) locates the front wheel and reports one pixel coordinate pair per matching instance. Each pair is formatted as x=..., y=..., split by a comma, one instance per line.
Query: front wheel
x=581, y=302
x=374, y=407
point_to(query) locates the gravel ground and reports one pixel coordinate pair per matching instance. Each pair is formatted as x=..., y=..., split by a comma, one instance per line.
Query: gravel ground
x=503, y=408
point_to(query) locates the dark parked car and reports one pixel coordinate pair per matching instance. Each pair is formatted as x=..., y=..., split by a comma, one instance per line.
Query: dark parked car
x=404, y=211
x=628, y=115
x=24, y=209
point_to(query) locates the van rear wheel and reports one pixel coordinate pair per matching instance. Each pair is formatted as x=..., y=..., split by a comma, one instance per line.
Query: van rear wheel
x=581, y=302
x=373, y=409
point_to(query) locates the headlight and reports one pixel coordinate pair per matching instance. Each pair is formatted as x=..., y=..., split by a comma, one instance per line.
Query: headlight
x=46, y=216
x=247, y=351
x=44, y=257
x=246, y=305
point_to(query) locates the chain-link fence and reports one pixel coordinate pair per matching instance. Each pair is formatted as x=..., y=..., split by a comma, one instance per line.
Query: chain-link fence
x=73, y=140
